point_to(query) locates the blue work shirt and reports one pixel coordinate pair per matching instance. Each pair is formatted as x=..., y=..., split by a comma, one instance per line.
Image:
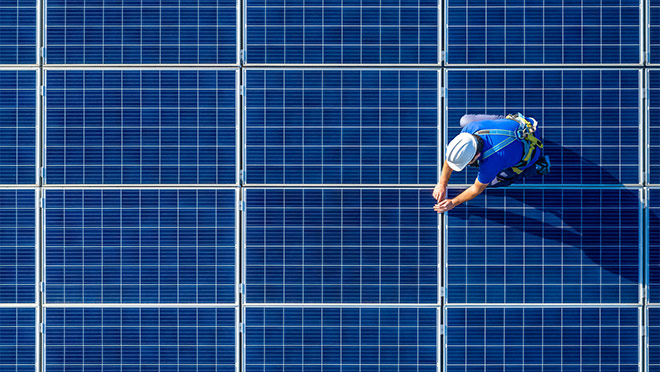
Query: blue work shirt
x=503, y=159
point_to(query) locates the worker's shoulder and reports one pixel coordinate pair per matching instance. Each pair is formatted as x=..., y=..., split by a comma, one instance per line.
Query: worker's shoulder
x=489, y=124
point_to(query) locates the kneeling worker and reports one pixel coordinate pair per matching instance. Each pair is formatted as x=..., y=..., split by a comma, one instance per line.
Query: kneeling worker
x=503, y=148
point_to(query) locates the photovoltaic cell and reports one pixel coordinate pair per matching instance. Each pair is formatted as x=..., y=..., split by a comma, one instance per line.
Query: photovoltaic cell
x=533, y=339
x=17, y=246
x=17, y=339
x=653, y=339
x=141, y=32
x=545, y=246
x=538, y=31
x=340, y=246
x=341, y=127
x=340, y=339
x=653, y=33
x=140, y=246
x=18, y=109
x=139, y=339
x=653, y=227
x=342, y=31
x=141, y=127
x=653, y=143
x=589, y=120
x=18, y=32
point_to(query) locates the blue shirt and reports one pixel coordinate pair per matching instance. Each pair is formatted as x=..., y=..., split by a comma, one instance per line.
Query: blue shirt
x=503, y=159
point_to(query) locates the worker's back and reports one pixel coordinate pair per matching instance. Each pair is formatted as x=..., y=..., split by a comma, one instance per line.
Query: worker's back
x=503, y=159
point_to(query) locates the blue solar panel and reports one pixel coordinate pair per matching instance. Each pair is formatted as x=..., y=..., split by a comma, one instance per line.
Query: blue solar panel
x=17, y=246
x=653, y=102
x=589, y=120
x=18, y=32
x=653, y=350
x=340, y=339
x=653, y=227
x=18, y=109
x=545, y=246
x=17, y=339
x=156, y=246
x=543, y=339
x=334, y=246
x=342, y=31
x=140, y=339
x=653, y=33
x=141, y=127
x=538, y=31
x=341, y=127
x=141, y=32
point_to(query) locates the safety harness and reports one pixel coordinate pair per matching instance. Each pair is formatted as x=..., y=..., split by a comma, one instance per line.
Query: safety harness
x=524, y=134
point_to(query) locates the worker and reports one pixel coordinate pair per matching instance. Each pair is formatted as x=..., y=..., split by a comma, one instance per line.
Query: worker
x=503, y=148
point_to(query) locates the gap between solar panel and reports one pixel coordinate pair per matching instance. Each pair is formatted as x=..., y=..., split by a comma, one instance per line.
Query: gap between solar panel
x=493, y=144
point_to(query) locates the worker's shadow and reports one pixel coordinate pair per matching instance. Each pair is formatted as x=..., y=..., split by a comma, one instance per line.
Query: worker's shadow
x=567, y=231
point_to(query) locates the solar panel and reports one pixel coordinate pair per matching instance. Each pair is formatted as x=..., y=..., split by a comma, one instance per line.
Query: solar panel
x=539, y=32
x=653, y=112
x=17, y=339
x=140, y=339
x=346, y=32
x=653, y=350
x=533, y=339
x=653, y=285
x=340, y=246
x=18, y=108
x=141, y=127
x=589, y=120
x=653, y=31
x=545, y=246
x=18, y=32
x=141, y=32
x=17, y=246
x=341, y=127
x=340, y=339
x=154, y=246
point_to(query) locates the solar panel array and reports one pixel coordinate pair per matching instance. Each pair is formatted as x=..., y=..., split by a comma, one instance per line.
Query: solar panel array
x=215, y=185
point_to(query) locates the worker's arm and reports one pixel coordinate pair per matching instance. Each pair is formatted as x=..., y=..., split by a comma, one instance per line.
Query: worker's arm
x=440, y=191
x=468, y=194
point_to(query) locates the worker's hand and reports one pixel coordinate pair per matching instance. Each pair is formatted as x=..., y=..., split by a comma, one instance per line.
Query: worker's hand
x=444, y=206
x=439, y=192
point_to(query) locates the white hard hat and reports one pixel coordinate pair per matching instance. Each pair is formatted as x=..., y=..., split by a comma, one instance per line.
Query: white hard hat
x=461, y=150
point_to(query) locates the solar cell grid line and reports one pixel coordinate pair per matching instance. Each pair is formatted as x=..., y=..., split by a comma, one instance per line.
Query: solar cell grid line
x=18, y=126
x=341, y=127
x=18, y=250
x=542, y=338
x=537, y=246
x=131, y=32
x=139, y=339
x=136, y=246
x=18, y=339
x=340, y=338
x=341, y=32
x=535, y=32
x=18, y=32
x=653, y=208
x=590, y=120
x=653, y=115
x=332, y=246
x=141, y=126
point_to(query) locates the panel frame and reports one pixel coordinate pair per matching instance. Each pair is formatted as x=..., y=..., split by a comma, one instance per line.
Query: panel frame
x=43, y=37
x=642, y=52
x=272, y=67
x=238, y=119
x=641, y=252
x=641, y=153
x=237, y=249
x=243, y=61
x=243, y=249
